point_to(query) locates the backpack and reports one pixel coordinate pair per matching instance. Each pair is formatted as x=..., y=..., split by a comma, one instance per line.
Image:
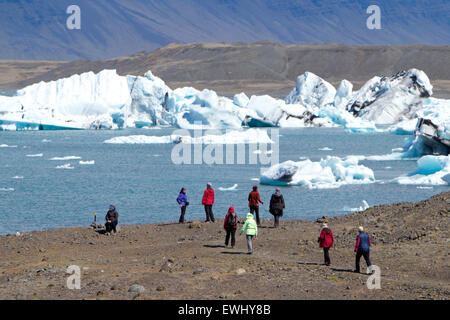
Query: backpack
x=232, y=219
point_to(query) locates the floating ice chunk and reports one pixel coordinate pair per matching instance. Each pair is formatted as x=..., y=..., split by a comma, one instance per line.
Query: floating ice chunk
x=230, y=137
x=17, y=177
x=7, y=189
x=364, y=207
x=65, y=158
x=65, y=166
x=7, y=146
x=254, y=179
x=233, y=188
x=432, y=170
x=8, y=127
x=331, y=172
x=325, y=149
x=38, y=155
x=46, y=140
x=91, y=162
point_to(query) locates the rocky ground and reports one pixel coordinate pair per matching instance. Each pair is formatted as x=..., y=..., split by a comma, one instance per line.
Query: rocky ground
x=172, y=261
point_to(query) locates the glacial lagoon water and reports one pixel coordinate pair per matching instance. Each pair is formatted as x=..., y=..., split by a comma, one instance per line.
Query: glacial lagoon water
x=143, y=183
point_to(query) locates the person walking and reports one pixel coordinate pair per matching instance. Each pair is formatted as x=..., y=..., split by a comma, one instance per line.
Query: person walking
x=326, y=240
x=112, y=219
x=230, y=226
x=253, y=203
x=183, y=202
x=251, y=230
x=207, y=202
x=362, y=248
x=277, y=206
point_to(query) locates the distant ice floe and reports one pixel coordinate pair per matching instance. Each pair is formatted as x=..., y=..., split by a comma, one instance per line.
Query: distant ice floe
x=7, y=146
x=432, y=170
x=91, y=162
x=233, y=188
x=331, y=172
x=325, y=149
x=38, y=155
x=7, y=189
x=65, y=158
x=46, y=140
x=65, y=166
x=364, y=207
x=230, y=137
x=17, y=177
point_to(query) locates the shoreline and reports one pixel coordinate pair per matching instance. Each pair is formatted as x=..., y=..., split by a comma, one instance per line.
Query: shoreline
x=189, y=261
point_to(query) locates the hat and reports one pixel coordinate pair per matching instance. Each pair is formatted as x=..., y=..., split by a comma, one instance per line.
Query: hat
x=255, y=188
x=231, y=210
x=209, y=184
x=112, y=207
x=324, y=225
x=361, y=229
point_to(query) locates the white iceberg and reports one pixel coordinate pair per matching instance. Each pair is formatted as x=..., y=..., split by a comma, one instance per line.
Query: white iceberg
x=65, y=166
x=230, y=137
x=331, y=172
x=233, y=188
x=90, y=162
x=109, y=101
x=65, y=158
x=432, y=170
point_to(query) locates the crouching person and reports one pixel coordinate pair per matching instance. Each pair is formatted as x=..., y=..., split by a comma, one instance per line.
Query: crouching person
x=112, y=219
x=251, y=230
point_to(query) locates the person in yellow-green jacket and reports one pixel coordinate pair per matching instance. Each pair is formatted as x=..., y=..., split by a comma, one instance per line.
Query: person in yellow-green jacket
x=251, y=229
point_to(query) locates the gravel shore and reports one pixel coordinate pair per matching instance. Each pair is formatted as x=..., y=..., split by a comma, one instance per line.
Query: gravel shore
x=410, y=245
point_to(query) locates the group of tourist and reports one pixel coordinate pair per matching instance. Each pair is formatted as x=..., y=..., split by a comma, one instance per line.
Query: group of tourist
x=250, y=226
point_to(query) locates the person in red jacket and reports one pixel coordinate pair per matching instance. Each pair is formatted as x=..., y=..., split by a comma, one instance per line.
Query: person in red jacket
x=230, y=226
x=208, y=201
x=326, y=242
x=253, y=203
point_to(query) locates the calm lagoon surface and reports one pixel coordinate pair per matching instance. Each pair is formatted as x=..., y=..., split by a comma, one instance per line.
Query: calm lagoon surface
x=143, y=182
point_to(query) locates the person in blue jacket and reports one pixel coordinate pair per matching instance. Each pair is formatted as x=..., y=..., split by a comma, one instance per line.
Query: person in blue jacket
x=362, y=248
x=183, y=202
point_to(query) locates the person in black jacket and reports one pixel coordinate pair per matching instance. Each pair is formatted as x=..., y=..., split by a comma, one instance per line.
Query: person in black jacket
x=112, y=219
x=277, y=206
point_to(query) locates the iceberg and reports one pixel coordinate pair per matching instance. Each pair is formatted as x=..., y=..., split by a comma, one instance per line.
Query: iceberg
x=90, y=162
x=233, y=188
x=107, y=100
x=391, y=100
x=331, y=172
x=230, y=137
x=432, y=170
x=65, y=166
x=65, y=158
